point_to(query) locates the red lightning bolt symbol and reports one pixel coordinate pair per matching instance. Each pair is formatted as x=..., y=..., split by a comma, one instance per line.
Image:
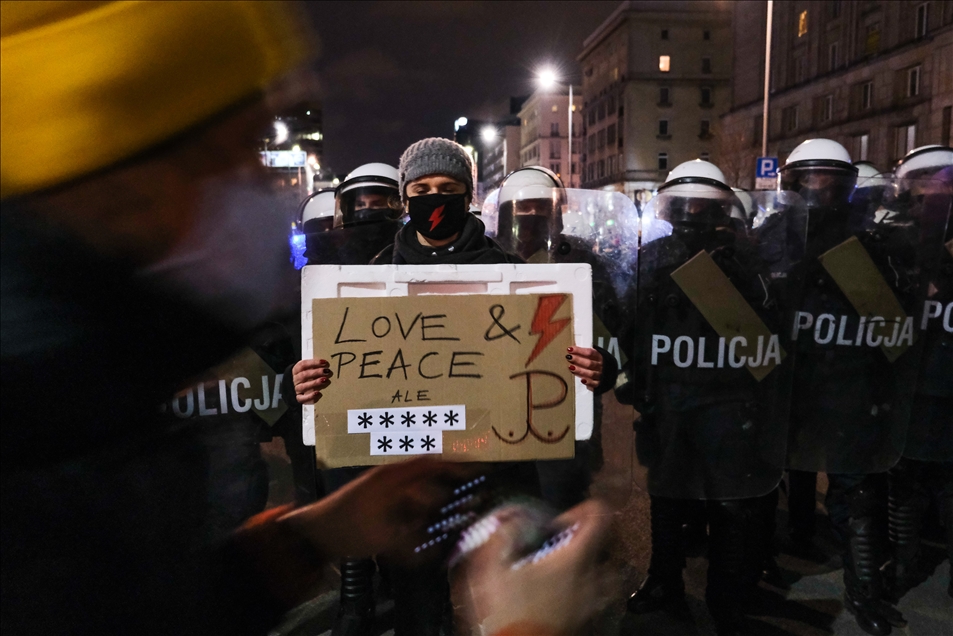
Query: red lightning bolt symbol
x=543, y=324
x=436, y=217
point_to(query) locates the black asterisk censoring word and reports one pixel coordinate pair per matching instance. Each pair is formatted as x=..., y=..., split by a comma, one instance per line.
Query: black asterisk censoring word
x=451, y=418
x=384, y=444
x=406, y=444
x=430, y=418
x=387, y=419
x=428, y=443
x=364, y=420
x=407, y=419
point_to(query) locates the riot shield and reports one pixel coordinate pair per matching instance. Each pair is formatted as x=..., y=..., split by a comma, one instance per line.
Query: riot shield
x=930, y=432
x=711, y=368
x=601, y=229
x=860, y=292
x=252, y=439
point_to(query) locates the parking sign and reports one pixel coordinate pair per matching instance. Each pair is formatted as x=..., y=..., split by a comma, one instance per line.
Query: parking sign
x=766, y=173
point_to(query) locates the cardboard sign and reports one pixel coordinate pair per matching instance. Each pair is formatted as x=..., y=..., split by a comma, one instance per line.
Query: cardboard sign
x=387, y=281
x=469, y=377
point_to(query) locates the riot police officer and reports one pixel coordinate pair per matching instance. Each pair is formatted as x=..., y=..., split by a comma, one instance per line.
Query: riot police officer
x=848, y=415
x=367, y=213
x=711, y=428
x=923, y=191
x=529, y=211
x=317, y=212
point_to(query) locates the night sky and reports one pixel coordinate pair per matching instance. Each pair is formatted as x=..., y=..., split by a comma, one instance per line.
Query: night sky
x=395, y=72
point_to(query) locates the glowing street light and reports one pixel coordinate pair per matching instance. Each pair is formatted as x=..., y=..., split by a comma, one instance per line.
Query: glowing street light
x=488, y=134
x=281, y=132
x=547, y=78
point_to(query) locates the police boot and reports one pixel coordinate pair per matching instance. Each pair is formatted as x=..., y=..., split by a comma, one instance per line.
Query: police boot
x=734, y=561
x=356, y=616
x=906, y=504
x=863, y=594
x=664, y=585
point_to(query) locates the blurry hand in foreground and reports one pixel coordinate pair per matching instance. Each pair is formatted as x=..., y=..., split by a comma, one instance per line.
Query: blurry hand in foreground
x=503, y=592
x=384, y=511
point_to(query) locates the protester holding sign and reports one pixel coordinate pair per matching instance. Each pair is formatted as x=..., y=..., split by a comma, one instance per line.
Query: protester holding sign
x=436, y=188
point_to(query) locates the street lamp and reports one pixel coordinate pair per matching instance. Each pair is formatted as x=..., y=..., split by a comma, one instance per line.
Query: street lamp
x=547, y=79
x=488, y=134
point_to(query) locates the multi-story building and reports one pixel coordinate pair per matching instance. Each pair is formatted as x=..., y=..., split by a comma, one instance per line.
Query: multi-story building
x=875, y=76
x=544, y=133
x=502, y=151
x=656, y=78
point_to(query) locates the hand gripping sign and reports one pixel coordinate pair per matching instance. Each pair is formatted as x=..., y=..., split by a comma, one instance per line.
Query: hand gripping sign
x=446, y=360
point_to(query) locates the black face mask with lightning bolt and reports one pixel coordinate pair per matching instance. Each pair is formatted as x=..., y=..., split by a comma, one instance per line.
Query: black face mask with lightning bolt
x=438, y=216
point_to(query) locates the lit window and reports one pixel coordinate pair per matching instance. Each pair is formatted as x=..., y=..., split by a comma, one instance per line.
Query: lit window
x=555, y=108
x=664, y=63
x=913, y=82
x=802, y=24
x=663, y=161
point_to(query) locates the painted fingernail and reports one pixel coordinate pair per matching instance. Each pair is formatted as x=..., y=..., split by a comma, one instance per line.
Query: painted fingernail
x=572, y=368
x=569, y=349
x=327, y=372
x=569, y=357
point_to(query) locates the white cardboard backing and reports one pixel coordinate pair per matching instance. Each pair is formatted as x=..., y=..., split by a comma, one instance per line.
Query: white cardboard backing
x=350, y=281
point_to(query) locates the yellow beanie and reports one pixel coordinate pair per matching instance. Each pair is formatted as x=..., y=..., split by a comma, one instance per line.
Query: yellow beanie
x=86, y=84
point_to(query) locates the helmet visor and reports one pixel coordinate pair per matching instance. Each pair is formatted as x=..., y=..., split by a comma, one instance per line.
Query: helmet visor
x=368, y=204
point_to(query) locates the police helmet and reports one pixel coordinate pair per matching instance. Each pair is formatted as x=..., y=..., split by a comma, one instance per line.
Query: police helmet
x=531, y=202
x=695, y=193
x=317, y=212
x=924, y=162
x=367, y=195
x=820, y=171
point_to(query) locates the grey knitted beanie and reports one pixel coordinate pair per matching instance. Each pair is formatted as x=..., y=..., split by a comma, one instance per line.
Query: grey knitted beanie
x=435, y=155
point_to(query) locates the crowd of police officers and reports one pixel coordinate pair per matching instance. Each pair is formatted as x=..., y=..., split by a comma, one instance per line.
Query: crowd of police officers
x=805, y=330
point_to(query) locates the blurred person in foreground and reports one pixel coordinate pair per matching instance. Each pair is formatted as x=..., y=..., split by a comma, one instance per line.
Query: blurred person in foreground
x=135, y=252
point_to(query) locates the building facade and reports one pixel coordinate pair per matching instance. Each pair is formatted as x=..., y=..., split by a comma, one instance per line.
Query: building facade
x=544, y=133
x=656, y=79
x=875, y=76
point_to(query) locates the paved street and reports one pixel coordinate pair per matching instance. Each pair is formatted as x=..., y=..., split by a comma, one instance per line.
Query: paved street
x=809, y=606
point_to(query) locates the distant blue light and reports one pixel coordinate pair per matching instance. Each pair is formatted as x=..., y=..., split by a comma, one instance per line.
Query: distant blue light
x=298, y=245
